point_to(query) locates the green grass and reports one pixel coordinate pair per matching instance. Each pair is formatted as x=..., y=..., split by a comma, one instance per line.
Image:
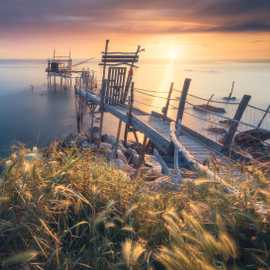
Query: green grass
x=71, y=210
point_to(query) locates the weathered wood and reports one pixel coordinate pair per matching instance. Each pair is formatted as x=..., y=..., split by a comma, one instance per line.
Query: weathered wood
x=165, y=168
x=130, y=75
x=165, y=109
x=209, y=100
x=117, y=137
x=129, y=114
x=104, y=64
x=145, y=146
x=235, y=122
x=182, y=101
x=101, y=107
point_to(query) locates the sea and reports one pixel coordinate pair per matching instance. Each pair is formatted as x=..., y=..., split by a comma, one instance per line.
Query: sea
x=33, y=115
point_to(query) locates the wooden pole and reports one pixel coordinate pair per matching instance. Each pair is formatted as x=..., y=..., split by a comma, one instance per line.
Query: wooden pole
x=231, y=92
x=235, y=122
x=117, y=138
x=130, y=75
x=165, y=109
x=104, y=64
x=265, y=114
x=92, y=111
x=182, y=102
x=131, y=101
x=209, y=100
x=102, y=103
x=143, y=151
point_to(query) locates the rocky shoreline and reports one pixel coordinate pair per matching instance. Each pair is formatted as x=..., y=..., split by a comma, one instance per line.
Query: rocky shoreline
x=128, y=158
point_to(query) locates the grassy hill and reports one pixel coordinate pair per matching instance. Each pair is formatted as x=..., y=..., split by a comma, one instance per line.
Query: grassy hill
x=68, y=209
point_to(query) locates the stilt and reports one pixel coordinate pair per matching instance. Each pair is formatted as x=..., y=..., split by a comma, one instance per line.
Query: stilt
x=117, y=138
x=101, y=107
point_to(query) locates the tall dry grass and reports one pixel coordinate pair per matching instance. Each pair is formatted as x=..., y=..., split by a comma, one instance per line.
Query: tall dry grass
x=67, y=209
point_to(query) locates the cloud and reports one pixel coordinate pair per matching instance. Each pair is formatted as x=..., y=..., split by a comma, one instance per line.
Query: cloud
x=140, y=16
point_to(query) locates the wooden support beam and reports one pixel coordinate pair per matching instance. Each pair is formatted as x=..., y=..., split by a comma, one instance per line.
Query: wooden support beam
x=118, y=133
x=146, y=144
x=104, y=66
x=130, y=75
x=235, y=122
x=129, y=114
x=182, y=102
x=102, y=103
x=165, y=109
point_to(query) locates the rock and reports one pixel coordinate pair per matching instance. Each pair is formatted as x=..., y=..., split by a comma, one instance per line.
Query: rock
x=122, y=147
x=108, y=139
x=189, y=174
x=148, y=174
x=94, y=134
x=34, y=155
x=89, y=146
x=132, y=156
x=121, y=156
x=105, y=146
x=120, y=164
x=163, y=183
x=107, y=150
x=151, y=161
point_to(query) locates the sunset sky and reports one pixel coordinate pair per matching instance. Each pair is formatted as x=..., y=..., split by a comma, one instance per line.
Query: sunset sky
x=187, y=29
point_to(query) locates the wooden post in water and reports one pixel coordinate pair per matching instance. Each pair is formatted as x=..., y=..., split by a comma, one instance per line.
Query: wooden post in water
x=165, y=109
x=210, y=99
x=235, y=122
x=265, y=114
x=182, y=102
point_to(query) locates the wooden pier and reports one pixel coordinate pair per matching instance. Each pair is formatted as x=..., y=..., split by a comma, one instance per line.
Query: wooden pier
x=171, y=137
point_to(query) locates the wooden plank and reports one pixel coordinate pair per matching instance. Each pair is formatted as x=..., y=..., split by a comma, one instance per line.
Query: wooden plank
x=119, y=56
x=105, y=60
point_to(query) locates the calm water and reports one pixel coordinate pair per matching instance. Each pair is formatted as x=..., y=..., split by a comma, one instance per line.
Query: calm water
x=37, y=118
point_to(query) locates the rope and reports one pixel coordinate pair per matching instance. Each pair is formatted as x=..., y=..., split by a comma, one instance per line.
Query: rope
x=83, y=62
x=222, y=116
x=205, y=120
x=214, y=101
x=148, y=105
x=150, y=95
x=257, y=108
x=152, y=91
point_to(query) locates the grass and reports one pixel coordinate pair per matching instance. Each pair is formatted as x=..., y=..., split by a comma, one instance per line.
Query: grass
x=68, y=209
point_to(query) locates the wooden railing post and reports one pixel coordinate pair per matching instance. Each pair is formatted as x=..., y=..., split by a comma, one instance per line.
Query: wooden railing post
x=165, y=109
x=235, y=122
x=182, y=102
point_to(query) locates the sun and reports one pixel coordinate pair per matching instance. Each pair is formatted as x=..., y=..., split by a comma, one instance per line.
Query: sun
x=173, y=53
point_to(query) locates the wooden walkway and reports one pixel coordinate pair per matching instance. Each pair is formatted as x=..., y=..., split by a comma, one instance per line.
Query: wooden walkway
x=159, y=132
x=155, y=128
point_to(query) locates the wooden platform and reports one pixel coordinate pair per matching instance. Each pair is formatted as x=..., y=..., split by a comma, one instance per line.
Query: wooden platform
x=159, y=132
x=155, y=128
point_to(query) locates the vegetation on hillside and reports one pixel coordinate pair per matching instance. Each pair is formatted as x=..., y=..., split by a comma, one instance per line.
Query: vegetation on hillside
x=68, y=209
